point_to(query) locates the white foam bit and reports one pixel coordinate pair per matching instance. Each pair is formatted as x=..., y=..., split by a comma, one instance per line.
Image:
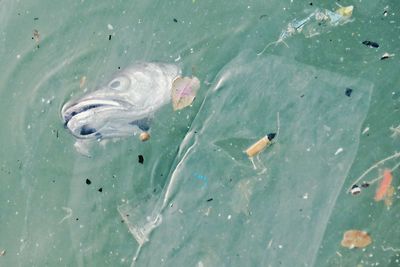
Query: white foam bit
x=340, y=150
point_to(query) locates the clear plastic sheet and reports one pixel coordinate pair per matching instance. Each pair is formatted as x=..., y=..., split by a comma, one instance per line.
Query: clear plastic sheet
x=238, y=216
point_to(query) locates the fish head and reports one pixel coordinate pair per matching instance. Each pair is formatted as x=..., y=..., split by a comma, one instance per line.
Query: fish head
x=124, y=105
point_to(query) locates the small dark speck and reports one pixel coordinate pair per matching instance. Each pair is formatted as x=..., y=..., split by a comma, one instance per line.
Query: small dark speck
x=88, y=181
x=348, y=92
x=122, y=221
x=100, y=189
x=310, y=4
x=140, y=159
x=54, y=181
x=300, y=210
x=302, y=96
x=316, y=77
x=77, y=219
x=109, y=37
x=36, y=18
x=161, y=175
x=19, y=14
x=175, y=20
x=119, y=68
x=365, y=185
x=262, y=16
x=210, y=199
x=330, y=40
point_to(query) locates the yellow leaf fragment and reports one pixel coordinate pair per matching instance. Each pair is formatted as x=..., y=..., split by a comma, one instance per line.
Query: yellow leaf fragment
x=345, y=11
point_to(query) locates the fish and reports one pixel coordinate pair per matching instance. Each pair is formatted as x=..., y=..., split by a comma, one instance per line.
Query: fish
x=124, y=106
x=384, y=185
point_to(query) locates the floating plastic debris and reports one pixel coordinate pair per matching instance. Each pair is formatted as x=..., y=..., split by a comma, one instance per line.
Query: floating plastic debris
x=348, y=92
x=355, y=190
x=356, y=239
x=260, y=145
x=321, y=20
x=184, y=91
x=386, y=56
x=384, y=185
x=370, y=44
x=36, y=37
x=376, y=165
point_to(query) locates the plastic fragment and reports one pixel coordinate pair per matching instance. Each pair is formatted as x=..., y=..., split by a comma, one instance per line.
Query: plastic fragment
x=386, y=56
x=384, y=185
x=355, y=190
x=318, y=21
x=348, y=92
x=356, y=239
x=184, y=91
x=140, y=159
x=260, y=145
x=370, y=44
x=36, y=37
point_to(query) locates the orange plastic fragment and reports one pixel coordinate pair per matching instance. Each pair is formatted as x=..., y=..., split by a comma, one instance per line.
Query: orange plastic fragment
x=356, y=239
x=384, y=185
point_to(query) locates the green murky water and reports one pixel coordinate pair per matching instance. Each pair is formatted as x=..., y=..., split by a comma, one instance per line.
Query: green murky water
x=196, y=197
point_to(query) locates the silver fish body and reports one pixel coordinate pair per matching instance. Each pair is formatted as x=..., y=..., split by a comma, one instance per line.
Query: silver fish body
x=124, y=106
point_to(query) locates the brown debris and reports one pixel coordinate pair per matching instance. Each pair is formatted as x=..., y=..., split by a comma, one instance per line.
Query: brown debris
x=144, y=136
x=36, y=37
x=388, y=199
x=356, y=239
x=82, y=82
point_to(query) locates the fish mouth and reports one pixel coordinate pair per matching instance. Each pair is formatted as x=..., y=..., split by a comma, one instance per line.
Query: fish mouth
x=86, y=117
x=70, y=110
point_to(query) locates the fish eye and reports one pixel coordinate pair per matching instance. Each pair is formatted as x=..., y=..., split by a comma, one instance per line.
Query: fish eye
x=119, y=83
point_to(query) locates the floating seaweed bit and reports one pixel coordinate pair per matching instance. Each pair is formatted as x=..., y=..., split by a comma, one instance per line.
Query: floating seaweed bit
x=348, y=92
x=109, y=37
x=356, y=239
x=88, y=181
x=175, y=20
x=355, y=190
x=210, y=199
x=100, y=189
x=370, y=44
